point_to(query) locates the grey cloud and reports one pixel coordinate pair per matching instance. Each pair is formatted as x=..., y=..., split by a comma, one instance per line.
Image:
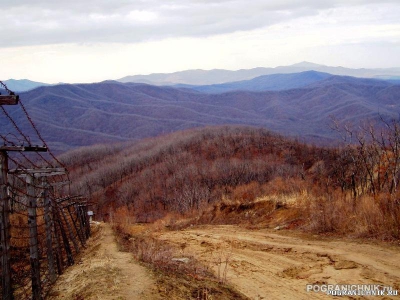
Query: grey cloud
x=27, y=22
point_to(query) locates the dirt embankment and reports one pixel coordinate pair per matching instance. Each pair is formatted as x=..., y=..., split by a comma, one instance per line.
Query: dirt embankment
x=267, y=264
x=104, y=272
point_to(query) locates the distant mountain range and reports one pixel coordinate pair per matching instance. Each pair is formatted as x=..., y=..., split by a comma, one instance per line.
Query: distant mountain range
x=202, y=77
x=275, y=82
x=69, y=116
x=23, y=85
x=216, y=77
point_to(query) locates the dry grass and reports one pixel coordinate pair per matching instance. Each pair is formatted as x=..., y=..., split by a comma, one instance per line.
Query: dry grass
x=221, y=259
x=364, y=217
x=179, y=275
x=311, y=211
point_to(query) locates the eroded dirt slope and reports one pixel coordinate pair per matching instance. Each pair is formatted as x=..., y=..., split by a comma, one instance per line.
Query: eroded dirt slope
x=267, y=264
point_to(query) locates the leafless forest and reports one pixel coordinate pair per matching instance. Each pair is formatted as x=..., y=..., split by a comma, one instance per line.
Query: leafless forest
x=215, y=174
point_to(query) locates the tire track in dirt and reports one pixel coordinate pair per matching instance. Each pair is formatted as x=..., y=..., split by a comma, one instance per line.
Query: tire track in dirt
x=264, y=264
x=104, y=272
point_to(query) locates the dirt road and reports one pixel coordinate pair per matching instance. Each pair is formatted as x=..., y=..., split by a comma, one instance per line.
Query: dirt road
x=268, y=264
x=261, y=264
x=104, y=272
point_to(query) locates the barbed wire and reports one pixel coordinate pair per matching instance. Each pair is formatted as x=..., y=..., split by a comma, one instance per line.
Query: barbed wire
x=16, y=126
x=6, y=88
x=33, y=126
x=42, y=218
x=52, y=161
x=39, y=135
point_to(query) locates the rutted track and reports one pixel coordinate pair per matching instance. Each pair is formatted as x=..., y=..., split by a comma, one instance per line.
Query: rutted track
x=266, y=264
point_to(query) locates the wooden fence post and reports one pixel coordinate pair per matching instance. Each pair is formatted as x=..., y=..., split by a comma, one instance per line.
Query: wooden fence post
x=64, y=236
x=78, y=227
x=82, y=219
x=33, y=238
x=58, y=242
x=69, y=229
x=86, y=219
x=49, y=234
x=6, y=282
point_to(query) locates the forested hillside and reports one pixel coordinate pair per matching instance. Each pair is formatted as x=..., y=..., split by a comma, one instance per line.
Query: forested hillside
x=70, y=116
x=186, y=170
x=204, y=172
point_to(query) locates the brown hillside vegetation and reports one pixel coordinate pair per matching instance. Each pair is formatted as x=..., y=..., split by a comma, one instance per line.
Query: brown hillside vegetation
x=254, y=187
x=226, y=175
x=188, y=171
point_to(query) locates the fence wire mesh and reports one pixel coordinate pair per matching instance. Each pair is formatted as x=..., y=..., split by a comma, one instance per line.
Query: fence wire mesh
x=42, y=226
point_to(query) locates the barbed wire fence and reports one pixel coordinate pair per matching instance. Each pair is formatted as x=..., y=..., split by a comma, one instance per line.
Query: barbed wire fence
x=42, y=226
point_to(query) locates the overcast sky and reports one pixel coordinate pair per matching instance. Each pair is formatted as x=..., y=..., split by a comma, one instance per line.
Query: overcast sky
x=95, y=40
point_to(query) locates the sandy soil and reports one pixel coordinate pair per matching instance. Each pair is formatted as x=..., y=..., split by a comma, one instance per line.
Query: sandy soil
x=268, y=264
x=104, y=272
x=261, y=264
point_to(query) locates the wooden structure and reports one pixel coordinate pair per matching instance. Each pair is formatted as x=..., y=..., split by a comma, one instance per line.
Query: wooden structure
x=40, y=233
